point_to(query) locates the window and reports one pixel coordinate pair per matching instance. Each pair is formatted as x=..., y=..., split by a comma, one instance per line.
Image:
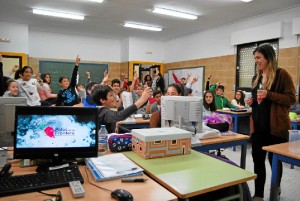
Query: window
x=157, y=142
x=246, y=68
x=174, y=142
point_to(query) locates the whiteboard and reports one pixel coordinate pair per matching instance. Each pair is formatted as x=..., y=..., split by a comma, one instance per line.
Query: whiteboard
x=195, y=72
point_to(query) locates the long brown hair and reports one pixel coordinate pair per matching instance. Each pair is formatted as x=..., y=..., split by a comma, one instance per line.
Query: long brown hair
x=269, y=54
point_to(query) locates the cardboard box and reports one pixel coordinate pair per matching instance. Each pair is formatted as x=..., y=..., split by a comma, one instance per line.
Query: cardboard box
x=161, y=142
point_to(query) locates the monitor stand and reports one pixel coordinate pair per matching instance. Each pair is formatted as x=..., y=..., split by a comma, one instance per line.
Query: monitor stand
x=53, y=164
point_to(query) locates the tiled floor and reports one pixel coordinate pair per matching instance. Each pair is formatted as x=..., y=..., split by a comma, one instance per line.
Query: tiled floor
x=290, y=184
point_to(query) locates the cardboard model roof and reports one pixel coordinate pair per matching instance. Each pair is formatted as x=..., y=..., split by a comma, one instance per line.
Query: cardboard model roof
x=157, y=134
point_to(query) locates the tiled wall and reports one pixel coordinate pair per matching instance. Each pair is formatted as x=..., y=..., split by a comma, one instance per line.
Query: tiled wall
x=223, y=69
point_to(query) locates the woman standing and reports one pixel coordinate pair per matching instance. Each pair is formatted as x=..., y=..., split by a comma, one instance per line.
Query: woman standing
x=273, y=93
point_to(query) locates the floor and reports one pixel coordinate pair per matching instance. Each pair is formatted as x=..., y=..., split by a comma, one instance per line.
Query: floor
x=290, y=184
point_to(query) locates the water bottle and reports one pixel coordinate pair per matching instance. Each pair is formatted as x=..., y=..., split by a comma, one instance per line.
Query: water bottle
x=102, y=140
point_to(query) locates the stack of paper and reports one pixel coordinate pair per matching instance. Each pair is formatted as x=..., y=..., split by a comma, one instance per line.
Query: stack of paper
x=112, y=166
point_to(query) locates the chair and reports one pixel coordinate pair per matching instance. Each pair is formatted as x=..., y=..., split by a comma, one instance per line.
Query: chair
x=155, y=120
x=148, y=107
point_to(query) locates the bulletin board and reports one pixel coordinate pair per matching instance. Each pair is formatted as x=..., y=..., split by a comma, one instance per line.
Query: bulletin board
x=198, y=71
x=58, y=69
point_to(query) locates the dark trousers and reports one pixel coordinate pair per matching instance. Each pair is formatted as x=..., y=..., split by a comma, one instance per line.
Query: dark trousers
x=258, y=141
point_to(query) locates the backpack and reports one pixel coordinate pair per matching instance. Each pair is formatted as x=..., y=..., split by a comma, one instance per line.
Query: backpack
x=221, y=122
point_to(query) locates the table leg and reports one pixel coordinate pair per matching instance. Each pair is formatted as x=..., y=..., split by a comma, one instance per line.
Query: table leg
x=274, y=178
x=235, y=128
x=243, y=155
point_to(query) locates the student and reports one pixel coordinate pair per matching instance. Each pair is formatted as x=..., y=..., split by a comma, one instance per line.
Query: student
x=147, y=80
x=270, y=115
x=103, y=95
x=239, y=99
x=209, y=104
x=158, y=81
x=12, y=89
x=175, y=90
x=45, y=92
x=28, y=86
x=68, y=96
x=88, y=101
x=116, y=86
x=156, y=106
x=221, y=101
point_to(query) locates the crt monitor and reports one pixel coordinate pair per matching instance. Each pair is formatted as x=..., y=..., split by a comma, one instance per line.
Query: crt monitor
x=55, y=133
x=183, y=112
x=7, y=116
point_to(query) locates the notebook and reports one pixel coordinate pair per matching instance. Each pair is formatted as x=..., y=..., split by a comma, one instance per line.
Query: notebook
x=112, y=166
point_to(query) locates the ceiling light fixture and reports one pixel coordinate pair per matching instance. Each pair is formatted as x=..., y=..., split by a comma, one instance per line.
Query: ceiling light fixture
x=57, y=14
x=98, y=1
x=246, y=0
x=174, y=13
x=142, y=26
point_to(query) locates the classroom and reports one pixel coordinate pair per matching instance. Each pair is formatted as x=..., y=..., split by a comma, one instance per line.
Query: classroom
x=213, y=44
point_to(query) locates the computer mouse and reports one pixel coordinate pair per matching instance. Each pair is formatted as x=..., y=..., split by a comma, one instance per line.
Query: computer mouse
x=121, y=195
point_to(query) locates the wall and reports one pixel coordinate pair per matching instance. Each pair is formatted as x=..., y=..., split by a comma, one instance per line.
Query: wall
x=216, y=42
x=18, y=33
x=62, y=46
x=145, y=50
x=213, y=50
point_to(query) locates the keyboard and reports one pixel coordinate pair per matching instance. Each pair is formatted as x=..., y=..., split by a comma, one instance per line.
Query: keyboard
x=39, y=181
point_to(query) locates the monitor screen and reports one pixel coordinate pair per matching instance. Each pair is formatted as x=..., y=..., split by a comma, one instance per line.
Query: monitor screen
x=55, y=132
x=7, y=116
x=183, y=112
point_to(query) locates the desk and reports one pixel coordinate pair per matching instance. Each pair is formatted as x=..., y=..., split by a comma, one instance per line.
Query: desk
x=192, y=174
x=148, y=191
x=138, y=123
x=235, y=116
x=281, y=153
x=224, y=142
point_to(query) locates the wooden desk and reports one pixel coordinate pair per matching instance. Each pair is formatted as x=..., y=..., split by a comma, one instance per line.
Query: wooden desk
x=192, y=174
x=281, y=153
x=150, y=190
x=138, y=123
x=224, y=142
x=236, y=116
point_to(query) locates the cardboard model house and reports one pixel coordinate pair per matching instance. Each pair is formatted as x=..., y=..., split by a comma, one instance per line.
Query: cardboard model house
x=161, y=142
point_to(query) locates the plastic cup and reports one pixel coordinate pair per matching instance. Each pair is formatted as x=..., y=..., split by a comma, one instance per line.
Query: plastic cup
x=258, y=98
x=294, y=139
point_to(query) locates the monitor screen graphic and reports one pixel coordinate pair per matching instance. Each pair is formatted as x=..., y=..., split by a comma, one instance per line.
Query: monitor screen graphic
x=55, y=132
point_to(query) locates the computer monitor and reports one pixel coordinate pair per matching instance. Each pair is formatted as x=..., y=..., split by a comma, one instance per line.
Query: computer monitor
x=183, y=112
x=55, y=133
x=7, y=118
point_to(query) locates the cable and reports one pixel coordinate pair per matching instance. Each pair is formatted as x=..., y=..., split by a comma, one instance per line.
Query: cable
x=87, y=175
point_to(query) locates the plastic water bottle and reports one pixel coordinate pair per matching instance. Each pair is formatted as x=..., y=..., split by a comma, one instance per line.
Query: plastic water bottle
x=102, y=140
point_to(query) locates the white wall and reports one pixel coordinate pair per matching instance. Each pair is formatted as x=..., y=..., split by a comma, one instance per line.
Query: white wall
x=145, y=50
x=216, y=42
x=62, y=46
x=18, y=34
x=125, y=50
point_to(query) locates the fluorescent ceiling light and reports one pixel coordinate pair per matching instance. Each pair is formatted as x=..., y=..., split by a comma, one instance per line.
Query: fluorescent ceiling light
x=57, y=14
x=246, y=0
x=142, y=26
x=174, y=13
x=98, y=1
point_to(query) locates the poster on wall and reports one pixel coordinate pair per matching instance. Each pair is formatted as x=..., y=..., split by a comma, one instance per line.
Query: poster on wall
x=177, y=74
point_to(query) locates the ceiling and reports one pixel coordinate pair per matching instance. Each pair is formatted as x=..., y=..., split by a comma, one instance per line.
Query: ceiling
x=106, y=20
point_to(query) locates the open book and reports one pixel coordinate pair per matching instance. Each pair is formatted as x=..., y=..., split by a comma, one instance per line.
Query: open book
x=112, y=166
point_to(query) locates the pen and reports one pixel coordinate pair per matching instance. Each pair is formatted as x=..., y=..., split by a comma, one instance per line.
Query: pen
x=127, y=170
x=133, y=180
